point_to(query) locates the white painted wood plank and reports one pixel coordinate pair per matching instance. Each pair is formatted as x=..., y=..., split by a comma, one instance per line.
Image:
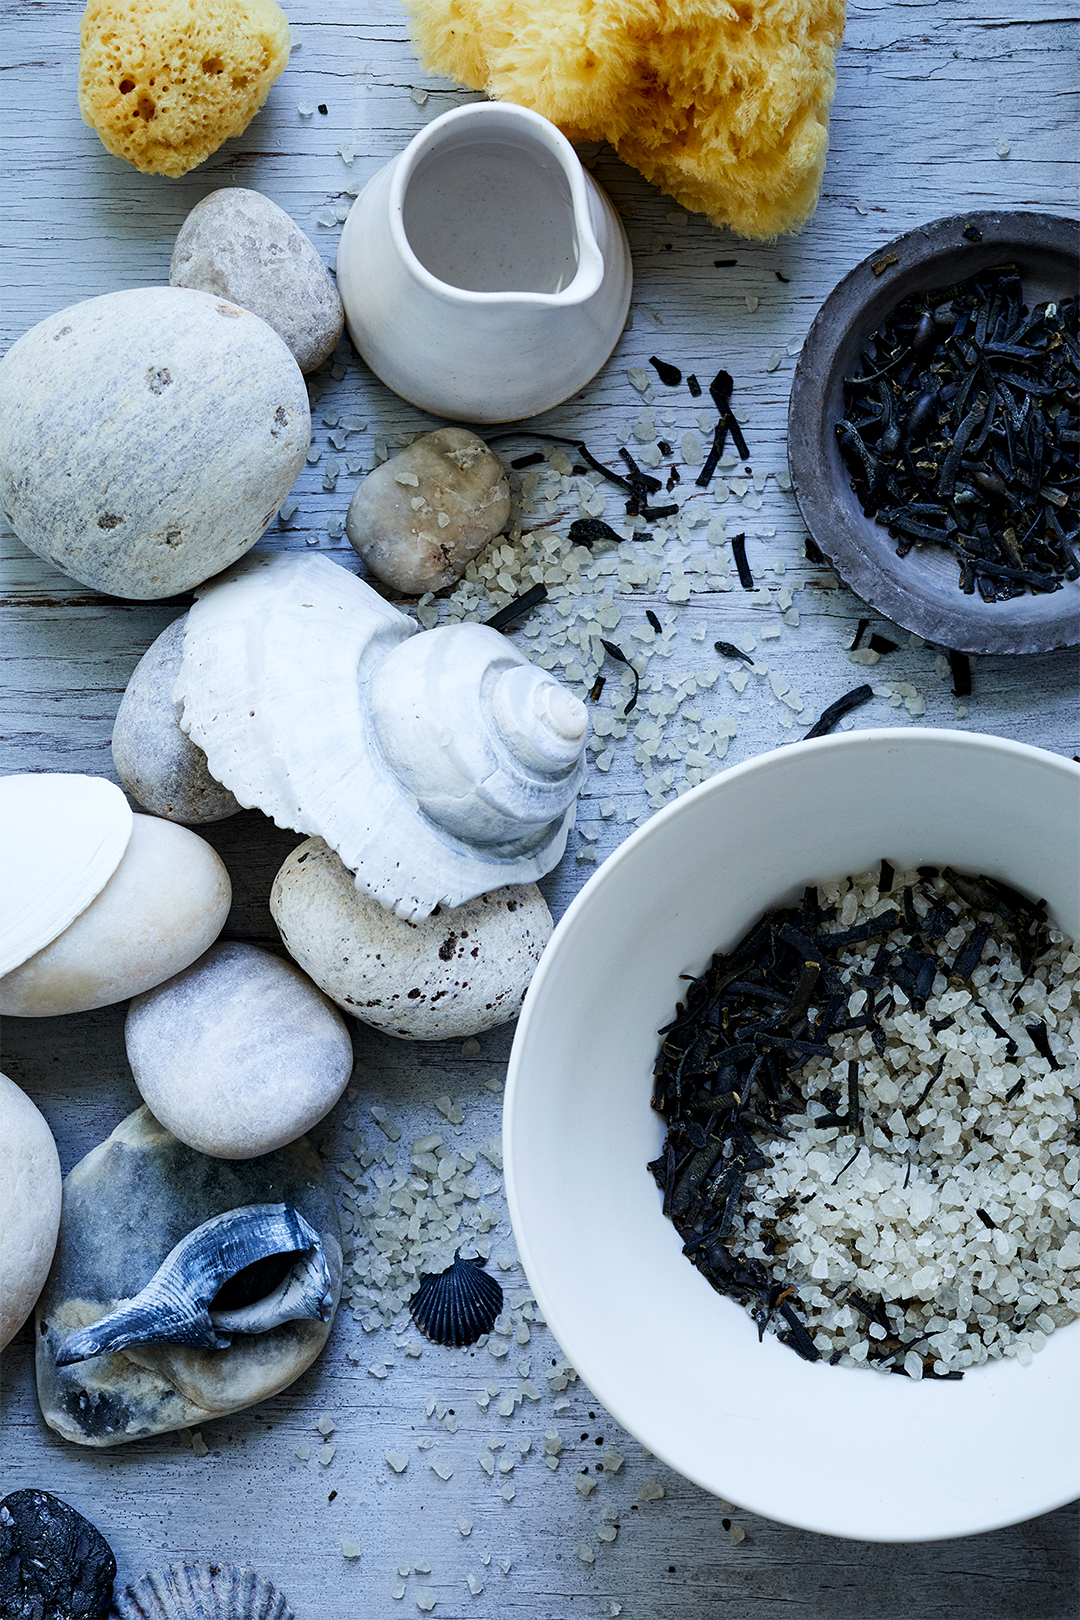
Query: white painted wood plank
x=925, y=93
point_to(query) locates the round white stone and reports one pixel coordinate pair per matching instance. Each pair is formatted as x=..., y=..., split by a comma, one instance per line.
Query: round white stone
x=456, y=973
x=30, y=1184
x=240, y=245
x=239, y=1054
x=164, y=904
x=147, y=438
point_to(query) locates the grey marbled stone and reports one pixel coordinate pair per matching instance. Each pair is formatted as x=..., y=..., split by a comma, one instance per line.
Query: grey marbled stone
x=126, y=1205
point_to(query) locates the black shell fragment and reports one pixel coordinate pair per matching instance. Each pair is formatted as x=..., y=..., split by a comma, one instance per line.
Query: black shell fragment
x=457, y=1306
x=54, y=1565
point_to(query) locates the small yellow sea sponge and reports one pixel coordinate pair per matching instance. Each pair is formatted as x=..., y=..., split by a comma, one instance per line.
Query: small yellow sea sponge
x=164, y=82
x=724, y=104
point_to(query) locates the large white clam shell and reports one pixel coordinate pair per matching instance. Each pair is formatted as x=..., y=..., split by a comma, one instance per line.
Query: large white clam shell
x=63, y=837
x=439, y=766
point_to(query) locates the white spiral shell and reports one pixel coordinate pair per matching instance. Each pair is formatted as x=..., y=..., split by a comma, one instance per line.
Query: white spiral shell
x=438, y=765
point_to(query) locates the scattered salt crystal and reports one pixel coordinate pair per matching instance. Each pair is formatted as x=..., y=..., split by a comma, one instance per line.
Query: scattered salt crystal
x=586, y=1554
x=584, y=1484
x=607, y=1532
x=508, y=1493
x=326, y=1455
x=773, y=361
x=752, y=302
x=639, y=379
x=350, y=1549
x=397, y=1593
x=302, y=1453
x=304, y=109
x=692, y=453
x=442, y=1469
x=475, y=1584
x=737, y=1534
x=325, y=1425
x=418, y=96
x=398, y=1461
x=860, y=206
x=425, y=1601
x=651, y=1491
x=1003, y=148
x=613, y=1461
x=504, y=1565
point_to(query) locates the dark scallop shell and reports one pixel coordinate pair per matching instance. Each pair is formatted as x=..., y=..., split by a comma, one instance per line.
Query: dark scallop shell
x=201, y=1591
x=458, y=1305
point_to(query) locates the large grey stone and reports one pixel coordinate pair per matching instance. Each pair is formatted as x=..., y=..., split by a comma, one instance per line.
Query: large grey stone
x=125, y=1206
x=160, y=767
x=240, y=245
x=148, y=437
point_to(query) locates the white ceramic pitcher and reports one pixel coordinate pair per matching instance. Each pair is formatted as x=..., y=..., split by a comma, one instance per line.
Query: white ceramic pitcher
x=485, y=276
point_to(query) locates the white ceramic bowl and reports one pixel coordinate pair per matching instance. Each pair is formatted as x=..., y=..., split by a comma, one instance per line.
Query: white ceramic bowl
x=836, y=1450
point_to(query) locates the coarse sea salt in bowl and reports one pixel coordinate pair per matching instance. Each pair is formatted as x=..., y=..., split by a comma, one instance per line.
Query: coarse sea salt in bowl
x=841, y=1450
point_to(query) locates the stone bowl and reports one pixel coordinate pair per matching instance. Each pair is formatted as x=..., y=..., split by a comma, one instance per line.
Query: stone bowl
x=832, y=1449
x=920, y=591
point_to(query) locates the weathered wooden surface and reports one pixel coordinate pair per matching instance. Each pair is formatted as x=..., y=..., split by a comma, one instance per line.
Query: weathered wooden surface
x=926, y=94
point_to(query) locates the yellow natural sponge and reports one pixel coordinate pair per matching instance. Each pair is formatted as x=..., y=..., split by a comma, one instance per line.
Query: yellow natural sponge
x=165, y=83
x=724, y=104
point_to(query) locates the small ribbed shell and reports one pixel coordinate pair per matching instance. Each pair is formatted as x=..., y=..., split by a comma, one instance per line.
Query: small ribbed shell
x=458, y=1305
x=281, y=689
x=63, y=838
x=202, y=1591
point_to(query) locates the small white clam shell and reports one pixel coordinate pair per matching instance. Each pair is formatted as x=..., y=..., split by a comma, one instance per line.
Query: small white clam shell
x=438, y=766
x=201, y=1591
x=63, y=838
x=164, y=904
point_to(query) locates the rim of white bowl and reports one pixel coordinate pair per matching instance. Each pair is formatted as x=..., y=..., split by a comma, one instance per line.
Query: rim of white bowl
x=821, y=1519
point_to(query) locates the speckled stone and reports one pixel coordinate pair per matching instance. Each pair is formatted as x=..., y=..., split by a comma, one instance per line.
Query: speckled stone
x=54, y=1564
x=29, y=1206
x=238, y=1054
x=98, y=400
x=421, y=517
x=126, y=1205
x=240, y=245
x=458, y=972
x=158, y=765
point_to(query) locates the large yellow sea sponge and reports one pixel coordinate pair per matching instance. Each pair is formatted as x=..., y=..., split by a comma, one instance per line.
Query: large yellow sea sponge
x=724, y=104
x=164, y=82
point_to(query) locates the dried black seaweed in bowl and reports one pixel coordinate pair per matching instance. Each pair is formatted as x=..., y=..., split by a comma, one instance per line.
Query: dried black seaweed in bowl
x=812, y=1047
x=960, y=431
